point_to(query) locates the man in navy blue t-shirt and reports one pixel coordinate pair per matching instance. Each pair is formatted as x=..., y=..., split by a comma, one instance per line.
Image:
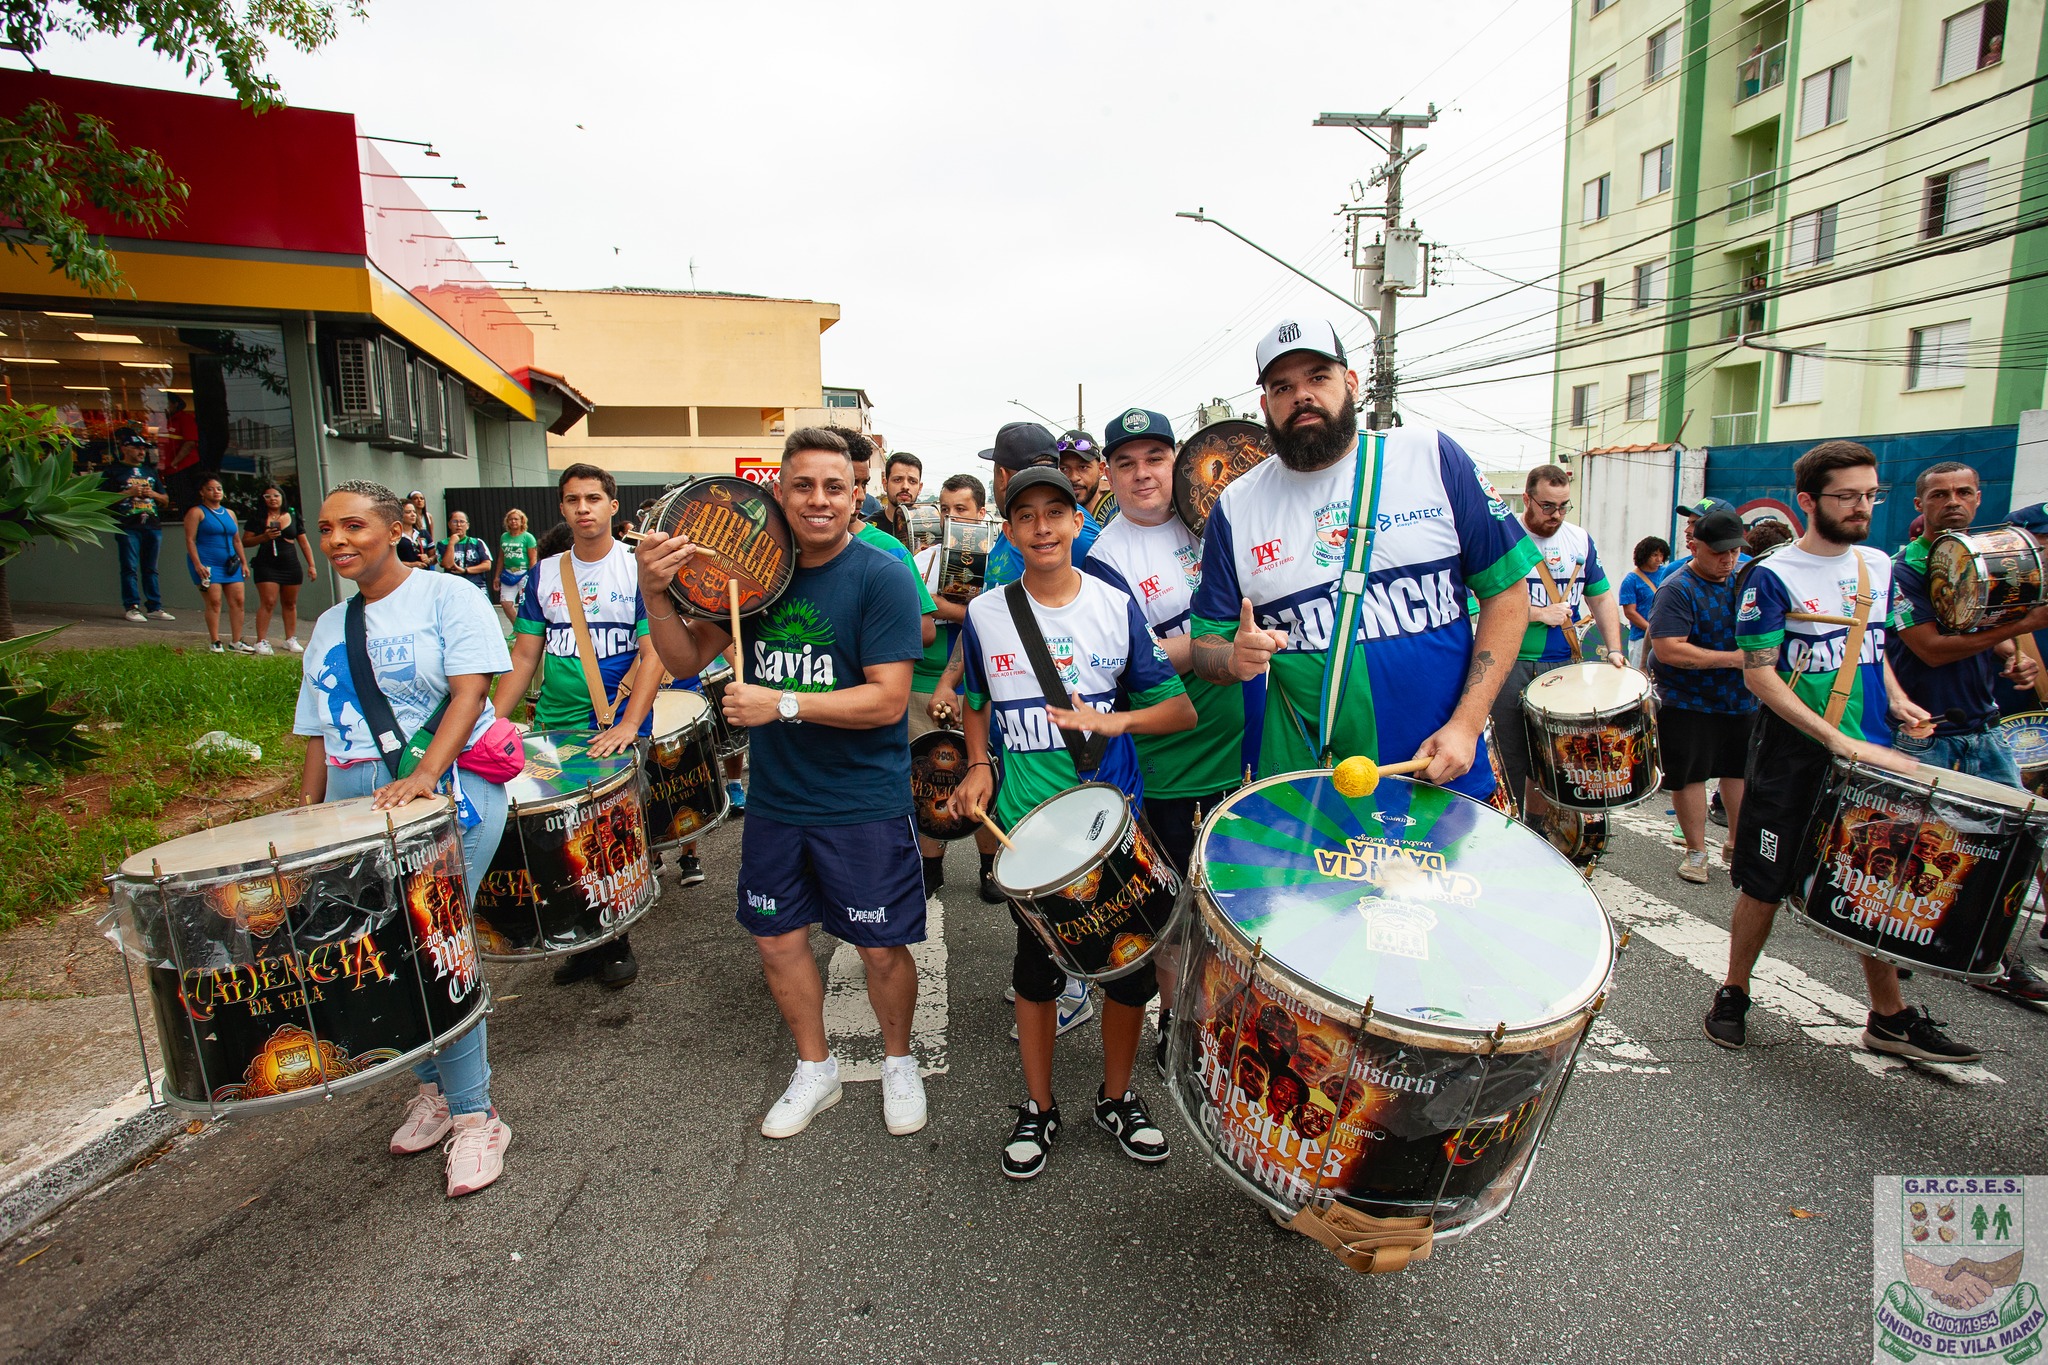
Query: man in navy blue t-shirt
x=829, y=838
x=1704, y=722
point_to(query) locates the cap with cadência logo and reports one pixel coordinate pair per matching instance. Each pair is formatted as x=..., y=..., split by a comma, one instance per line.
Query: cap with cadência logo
x=1137, y=424
x=1316, y=336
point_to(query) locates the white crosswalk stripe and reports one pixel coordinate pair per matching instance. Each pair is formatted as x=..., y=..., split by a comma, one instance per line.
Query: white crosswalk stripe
x=850, y=1022
x=1608, y=1049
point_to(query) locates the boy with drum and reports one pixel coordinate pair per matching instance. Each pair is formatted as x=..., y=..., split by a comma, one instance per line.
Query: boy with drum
x=829, y=838
x=1119, y=684
x=1954, y=674
x=1794, y=666
x=545, y=638
x=1149, y=554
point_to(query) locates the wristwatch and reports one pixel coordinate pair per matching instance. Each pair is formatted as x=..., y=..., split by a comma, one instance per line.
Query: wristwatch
x=786, y=708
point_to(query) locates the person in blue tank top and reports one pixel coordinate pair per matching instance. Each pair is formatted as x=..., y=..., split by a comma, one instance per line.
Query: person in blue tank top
x=213, y=554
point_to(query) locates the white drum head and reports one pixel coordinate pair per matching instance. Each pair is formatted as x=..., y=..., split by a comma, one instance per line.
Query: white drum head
x=675, y=711
x=1976, y=788
x=1061, y=839
x=301, y=830
x=1587, y=690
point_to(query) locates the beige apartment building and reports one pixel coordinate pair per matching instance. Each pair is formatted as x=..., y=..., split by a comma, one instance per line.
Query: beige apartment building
x=1801, y=218
x=688, y=383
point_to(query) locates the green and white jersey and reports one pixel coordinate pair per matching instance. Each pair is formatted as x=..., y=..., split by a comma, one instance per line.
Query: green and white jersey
x=1789, y=579
x=616, y=617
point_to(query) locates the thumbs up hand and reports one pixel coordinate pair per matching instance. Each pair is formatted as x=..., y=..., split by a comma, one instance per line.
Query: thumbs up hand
x=1252, y=651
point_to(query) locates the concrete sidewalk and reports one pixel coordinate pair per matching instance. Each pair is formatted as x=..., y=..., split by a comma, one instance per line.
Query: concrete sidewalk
x=103, y=627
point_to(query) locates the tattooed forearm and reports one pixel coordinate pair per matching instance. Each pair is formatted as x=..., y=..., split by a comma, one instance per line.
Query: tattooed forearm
x=1482, y=664
x=1760, y=658
x=1210, y=655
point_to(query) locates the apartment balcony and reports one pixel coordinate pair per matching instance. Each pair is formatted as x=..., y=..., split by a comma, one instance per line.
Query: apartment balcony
x=1763, y=71
x=1733, y=429
x=1748, y=198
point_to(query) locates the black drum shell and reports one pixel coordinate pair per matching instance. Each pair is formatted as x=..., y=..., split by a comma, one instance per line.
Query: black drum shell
x=686, y=796
x=1110, y=919
x=933, y=778
x=539, y=899
x=1627, y=733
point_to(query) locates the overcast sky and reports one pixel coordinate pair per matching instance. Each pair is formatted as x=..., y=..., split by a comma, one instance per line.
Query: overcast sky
x=988, y=195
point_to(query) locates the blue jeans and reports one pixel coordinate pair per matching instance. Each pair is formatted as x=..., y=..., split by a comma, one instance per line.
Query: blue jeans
x=1982, y=754
x=137, y=547
x=463, y=1070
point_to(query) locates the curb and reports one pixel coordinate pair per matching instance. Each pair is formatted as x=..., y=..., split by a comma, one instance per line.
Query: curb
x=37, y=1195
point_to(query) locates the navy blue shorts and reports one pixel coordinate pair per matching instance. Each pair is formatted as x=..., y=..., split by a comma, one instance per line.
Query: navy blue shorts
x=864, y=883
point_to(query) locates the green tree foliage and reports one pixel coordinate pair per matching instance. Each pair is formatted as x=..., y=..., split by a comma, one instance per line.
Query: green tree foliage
x=53, y=164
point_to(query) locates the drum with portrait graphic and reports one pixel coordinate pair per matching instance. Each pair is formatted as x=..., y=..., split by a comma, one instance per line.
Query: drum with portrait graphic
x=1085, y=872
x=1592, y=731
x=686, y=795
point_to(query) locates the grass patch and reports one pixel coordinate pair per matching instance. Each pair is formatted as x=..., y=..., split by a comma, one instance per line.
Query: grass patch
x=60, y=834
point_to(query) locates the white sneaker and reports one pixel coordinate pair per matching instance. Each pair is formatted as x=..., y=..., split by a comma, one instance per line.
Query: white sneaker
x=263, y=647
x=1694, y=866
x=1075, y=1009
x=426, y=1122
x=902, y=1096
x=135, y=614
x=241, y=647
x=291, y=642
x=812, y=1090
x=161, y=615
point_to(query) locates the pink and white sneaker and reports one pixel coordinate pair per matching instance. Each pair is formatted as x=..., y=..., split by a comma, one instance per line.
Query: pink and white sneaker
x=426, y=1122
x=476, y=1152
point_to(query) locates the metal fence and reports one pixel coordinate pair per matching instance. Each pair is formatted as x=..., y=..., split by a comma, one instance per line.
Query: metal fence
x=487, y=507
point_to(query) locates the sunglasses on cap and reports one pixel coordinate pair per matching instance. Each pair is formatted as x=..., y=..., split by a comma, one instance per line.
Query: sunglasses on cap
x=1075, y=445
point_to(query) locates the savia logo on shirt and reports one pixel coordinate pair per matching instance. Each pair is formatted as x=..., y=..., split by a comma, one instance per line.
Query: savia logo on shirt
x=794, y=648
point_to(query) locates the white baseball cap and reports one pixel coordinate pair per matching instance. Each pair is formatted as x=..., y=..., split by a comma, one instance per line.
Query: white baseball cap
x=1315, y=335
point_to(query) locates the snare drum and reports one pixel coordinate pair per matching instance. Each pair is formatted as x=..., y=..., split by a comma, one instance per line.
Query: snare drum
x=732, y=739
x=1927, y=870
x=686, y=796
x=573, y=869
x=1382, y=997
x=963, y=557
x=1209, y=462
x=1983, y=578
x=1088, y=877
x=301, y=954
x=740, y=534
x=925, y=522
x=938, y=761
x=2026, y=735
x=1592, y=731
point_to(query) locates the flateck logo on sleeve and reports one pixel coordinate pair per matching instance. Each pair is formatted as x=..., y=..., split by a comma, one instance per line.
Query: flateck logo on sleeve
x=794, y=648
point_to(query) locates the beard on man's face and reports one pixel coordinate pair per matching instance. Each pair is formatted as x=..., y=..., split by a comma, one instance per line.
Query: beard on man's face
x=1841, y=532
x=1318, y=446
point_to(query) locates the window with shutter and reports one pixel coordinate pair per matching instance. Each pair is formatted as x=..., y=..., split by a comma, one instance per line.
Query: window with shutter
x=1663, y=53
x=1592, y=302
x=1934, y=355
x=1642, y=396
x=1585, y=401
x=1824, y=99
x=1799, y=376
x=1656, y=172
x=1593, y=200
x=1813, y=239
x=1649, y=292
x=1972, y=40
x=1955, y=200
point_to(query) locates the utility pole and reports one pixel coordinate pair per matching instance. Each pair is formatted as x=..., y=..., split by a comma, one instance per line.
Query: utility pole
x=1395, y=264
x=1080, y=410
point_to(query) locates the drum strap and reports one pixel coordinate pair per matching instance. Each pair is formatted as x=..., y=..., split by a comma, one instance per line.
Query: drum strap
x=1571, y=637
x=1087, y=750
x=1369, y=1245
x=392, y=745
x=2025, y=645
x=1852, y=647
x=1365, y=496
x=601, y=702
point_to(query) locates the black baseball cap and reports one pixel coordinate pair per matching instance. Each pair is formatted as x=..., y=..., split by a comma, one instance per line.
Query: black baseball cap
x=1020, y=445
x=1720, y=529
x=129, y=436
x=1079, y=442
x=1038, y=476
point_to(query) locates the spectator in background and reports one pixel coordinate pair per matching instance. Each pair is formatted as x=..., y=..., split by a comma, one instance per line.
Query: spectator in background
x=516, y=555
x=1082, y=461
x=1639, y=593
x=902, y=481
x=1692, y=512
x=462, y=553
x=275, y=566
x=870, y=508
x=213, y=550
x=414, y=548
x=1766, y=535
x=179, y=445
x=419, y=502
x=138, y=515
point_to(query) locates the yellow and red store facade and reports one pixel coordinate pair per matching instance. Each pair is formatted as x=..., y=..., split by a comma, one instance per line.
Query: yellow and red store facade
x=307, y=319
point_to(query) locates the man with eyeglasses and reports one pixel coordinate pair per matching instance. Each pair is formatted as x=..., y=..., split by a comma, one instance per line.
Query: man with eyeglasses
x=1954, y=674
x=1082, y=461
x=1566, y=583
x=1793, y=665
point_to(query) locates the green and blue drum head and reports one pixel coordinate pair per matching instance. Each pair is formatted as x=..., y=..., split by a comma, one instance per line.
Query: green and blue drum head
x=559, y=764
x=2027, y=736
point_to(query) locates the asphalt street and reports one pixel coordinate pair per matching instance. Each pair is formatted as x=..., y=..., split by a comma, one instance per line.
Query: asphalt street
x=642, y=1217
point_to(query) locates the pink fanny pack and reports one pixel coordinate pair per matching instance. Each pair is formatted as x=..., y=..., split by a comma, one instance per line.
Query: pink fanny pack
x=497, y=755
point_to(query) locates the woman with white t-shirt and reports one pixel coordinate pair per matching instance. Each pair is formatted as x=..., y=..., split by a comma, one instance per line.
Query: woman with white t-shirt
x=430, y=636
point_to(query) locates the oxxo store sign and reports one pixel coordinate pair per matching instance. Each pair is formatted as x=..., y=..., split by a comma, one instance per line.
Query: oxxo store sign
x=756, y=470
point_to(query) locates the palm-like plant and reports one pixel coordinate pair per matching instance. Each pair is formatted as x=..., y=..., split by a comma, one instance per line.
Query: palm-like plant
x=40, y=497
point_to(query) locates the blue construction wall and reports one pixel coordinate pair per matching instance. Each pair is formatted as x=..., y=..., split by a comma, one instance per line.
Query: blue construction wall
x=1754, y=477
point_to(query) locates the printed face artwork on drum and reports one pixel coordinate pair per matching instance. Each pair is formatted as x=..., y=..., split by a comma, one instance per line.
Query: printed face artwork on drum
x=1210, y=461
x=1983, y=578
x=1087, y=877
x=1592, y=737
x=685, y=787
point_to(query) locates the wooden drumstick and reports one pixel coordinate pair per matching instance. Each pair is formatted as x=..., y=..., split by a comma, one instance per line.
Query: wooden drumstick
x=1821, y=617
x=1001, y=837
x=732, y=588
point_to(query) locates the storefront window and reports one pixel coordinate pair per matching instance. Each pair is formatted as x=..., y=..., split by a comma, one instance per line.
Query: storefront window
x=210, y=398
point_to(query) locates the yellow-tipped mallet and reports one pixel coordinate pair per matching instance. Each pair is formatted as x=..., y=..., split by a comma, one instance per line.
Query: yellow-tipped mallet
x=1358, y=775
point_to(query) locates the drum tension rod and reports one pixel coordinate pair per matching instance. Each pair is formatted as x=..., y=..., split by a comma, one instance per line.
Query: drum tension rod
x=1500, y=1031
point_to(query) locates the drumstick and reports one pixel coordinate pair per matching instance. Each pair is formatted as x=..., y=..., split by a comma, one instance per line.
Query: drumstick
x=1001, y=837
x=1821, y=617
x=732, y=588
x=1358, y=775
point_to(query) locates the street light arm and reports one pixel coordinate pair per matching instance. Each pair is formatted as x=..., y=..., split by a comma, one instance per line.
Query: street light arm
x=1199, y=216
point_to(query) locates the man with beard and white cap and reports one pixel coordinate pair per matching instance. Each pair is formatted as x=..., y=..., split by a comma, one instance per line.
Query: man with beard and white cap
x=1274, y=563
x=1793, y=666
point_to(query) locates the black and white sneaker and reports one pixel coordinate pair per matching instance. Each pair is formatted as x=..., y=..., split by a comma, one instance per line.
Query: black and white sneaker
x=1912, y=1035
x=1159, y=1045
x=689, y=871
x=1727, y=1022
x=1125, y=1119
x=1030, y=1141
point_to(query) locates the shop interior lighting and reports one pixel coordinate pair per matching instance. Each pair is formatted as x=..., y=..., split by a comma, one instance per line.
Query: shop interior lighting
x=145, y=364
x=87, y=388
x=50, y=314
x=168, y=389
x=24, y=360
x=109, y=338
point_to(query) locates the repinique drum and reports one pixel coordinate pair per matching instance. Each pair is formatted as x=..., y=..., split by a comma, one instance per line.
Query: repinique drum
x=573, y=869
x=938, y=761
x=732, y=739
x=1592, y=732
x=686, y=794
x=2026, y=735
x=303, y=953
x=1088, y=877
x=925, y=521
x=1929, y=870
x=1381, y=998
x=963, y=557
x=1983, y=578
x=1210, y=461
x=740, y=534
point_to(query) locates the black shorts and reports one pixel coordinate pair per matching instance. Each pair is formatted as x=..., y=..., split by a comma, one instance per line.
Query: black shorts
x=1698, y=745
x=281, y=570
x=1038, y=978
x=1778, y=795
x=1172, y=820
